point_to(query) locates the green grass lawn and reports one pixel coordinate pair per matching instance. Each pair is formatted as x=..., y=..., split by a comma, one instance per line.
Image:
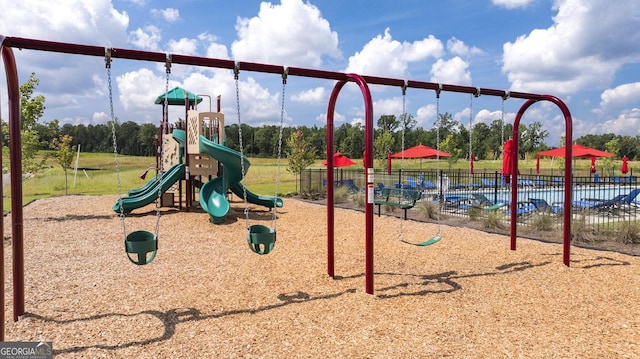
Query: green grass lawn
x=97, y=174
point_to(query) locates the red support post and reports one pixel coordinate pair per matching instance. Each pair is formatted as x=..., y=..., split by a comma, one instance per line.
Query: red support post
x=368, y=163
x=15, y=161
x=568, y=178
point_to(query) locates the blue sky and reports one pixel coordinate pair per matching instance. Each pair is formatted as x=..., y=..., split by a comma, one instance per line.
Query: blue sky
x=583, y=51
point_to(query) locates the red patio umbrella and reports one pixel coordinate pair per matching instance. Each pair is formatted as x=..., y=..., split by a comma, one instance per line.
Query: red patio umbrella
x=471, y=163
x=577, y=151
x=625, y=166
x=420, y=151
x=340, y=160
x=506, y=160
x=593, y=165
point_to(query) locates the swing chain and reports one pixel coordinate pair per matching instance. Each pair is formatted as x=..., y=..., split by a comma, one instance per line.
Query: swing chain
x=404, y=124
x=275, y=197
x=107, y=61
x=163, y=127
x=437, y=123
x=505, y=97
x=236, y=76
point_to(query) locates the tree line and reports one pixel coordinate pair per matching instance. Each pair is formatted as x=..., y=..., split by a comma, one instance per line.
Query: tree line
x=391, y=133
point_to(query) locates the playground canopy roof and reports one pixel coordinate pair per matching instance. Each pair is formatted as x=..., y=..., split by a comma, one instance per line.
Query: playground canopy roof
x=176, y=96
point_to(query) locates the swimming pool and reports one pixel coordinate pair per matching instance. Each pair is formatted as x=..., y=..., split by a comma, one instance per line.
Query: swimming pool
x=556, y=194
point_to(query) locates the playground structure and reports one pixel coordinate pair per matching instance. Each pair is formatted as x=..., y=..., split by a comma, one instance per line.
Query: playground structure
x=212, y=166
x=7, y=43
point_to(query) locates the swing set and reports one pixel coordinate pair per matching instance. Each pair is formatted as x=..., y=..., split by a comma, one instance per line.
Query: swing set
x=363, y=82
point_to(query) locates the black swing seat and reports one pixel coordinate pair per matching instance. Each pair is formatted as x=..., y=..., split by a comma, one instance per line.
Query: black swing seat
x=141, y=243
x=261, y=239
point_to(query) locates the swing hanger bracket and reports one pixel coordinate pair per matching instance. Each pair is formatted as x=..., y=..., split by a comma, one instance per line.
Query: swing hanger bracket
x=107, y=57
x=285, y=74
x=478, y=92
x=167, y=64
x=507, y=95
x=438, y=90
x=236, y=71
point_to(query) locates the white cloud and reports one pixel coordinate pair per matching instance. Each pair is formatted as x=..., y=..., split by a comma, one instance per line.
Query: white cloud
x=357, y=122
x=486, y=116
x=94, y=22
x=618, y=112
x=458, y=47
x=146, y=39
x=626, y=123
x=259, y=107
x=426, y=116
x=453, y=71
x=183, y=46
x=292, y=33
x=337, y=118
x=137, y=93
x=68, y=82
x=588, y=42
x=384, y=56
x=100, y=117
x=169, y=14
x=620, y=97
x=315, y=95
x=213, y=48
x=512, y=4
x=388, y=106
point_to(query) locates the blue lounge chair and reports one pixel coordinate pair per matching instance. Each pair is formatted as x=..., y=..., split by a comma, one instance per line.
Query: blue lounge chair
x=619, y=202
x=479, y=200
x=488, y=183
x=525, y=182
x=597, y=179
x=350, y=184
x=426, y=184
x=543, y=206
x=539, y=182
x=615, y=179
x=631, y=179
x=411, y=183
x=629, y=202
x=524, y=209
x=558, y=181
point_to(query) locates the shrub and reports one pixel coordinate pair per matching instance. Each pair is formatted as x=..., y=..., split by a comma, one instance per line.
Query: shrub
x=429, y=210
x=542, y=222
x=475, y=213
x=493, y=220
x=312, y=194
x=629, y=233
x=358, y=199
x=340, y=195
x=581, y=231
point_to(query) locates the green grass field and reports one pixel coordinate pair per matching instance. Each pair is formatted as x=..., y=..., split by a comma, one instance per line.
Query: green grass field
x=97, y=174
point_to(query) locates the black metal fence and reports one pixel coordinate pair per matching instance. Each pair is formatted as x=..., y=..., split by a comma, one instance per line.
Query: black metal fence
x=601, y=202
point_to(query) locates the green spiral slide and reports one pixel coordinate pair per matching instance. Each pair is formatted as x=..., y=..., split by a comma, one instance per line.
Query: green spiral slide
x=213, y=193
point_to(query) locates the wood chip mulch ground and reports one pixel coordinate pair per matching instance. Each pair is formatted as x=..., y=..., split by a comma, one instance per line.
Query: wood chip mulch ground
x=207, y=295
